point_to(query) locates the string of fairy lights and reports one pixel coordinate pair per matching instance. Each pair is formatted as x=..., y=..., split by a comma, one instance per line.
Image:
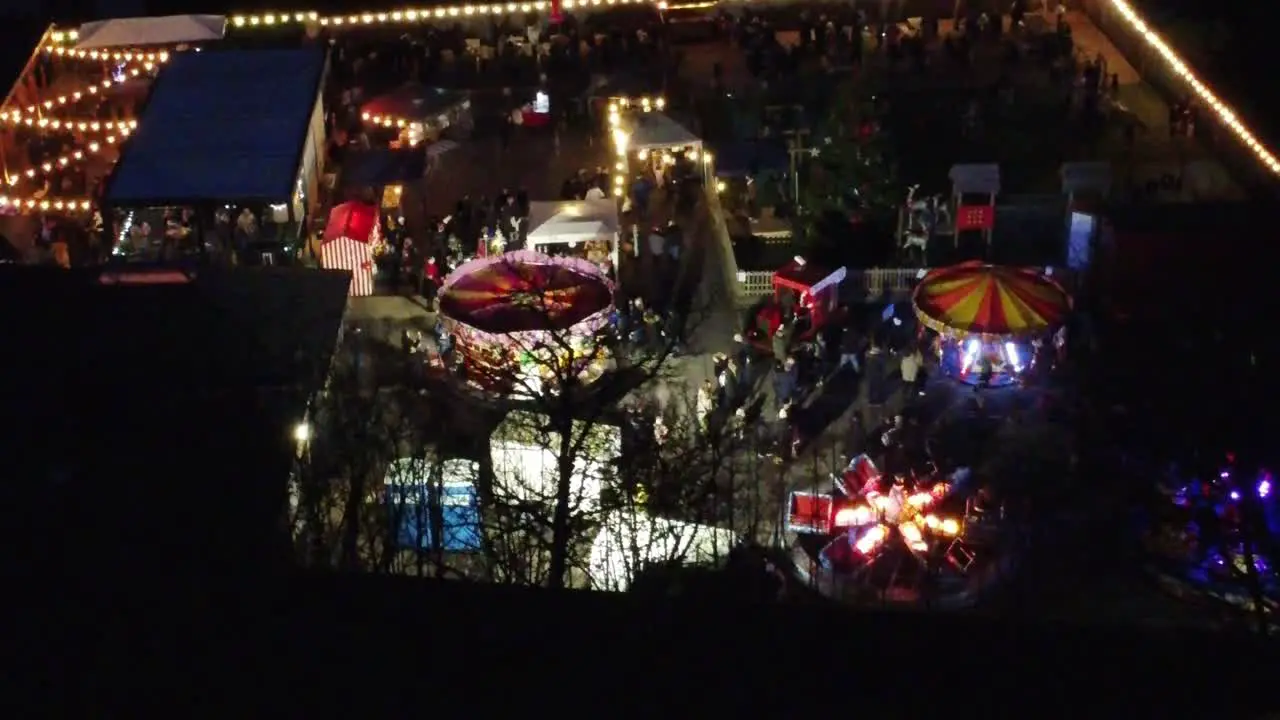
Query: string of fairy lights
x=58, y=39
x=111, y=132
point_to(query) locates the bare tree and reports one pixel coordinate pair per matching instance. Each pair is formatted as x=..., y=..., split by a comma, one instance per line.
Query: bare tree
x=572, y=458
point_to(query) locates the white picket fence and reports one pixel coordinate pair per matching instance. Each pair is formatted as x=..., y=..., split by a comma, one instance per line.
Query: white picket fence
x=875, y=282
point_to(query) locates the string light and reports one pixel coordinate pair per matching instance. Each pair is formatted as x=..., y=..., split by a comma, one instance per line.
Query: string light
x=64, y=36
x=58, y=204
x=49, y=166
x=128, y=56
x=386, y=121
x=419, y=15
x=15, y=119
x=1221, y=109
x=93, y=89
x=621, y=139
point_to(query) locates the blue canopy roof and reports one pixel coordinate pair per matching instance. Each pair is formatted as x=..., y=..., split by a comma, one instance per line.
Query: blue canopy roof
x=221, y=126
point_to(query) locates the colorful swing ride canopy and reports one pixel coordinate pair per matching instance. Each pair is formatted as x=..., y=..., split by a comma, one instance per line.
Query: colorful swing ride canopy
x=977, y=299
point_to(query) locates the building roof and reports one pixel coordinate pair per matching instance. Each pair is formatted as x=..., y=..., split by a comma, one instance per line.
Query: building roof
x=147, y=31
x=226, y=126
x=154, y=405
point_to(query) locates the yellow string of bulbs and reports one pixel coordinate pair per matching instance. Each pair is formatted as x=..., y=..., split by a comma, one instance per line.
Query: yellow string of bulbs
x=91, y=89
x=49, y=166
x=1221, y=109
x=16, y=118
x=140, y=56
x=44, y=204
x=1224, y=112
x=386, y=121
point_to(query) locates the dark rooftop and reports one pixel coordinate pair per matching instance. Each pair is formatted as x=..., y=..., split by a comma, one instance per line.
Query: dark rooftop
x=223, y=126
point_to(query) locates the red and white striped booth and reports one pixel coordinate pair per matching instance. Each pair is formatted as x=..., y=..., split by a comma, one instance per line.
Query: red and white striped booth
x=349, y=238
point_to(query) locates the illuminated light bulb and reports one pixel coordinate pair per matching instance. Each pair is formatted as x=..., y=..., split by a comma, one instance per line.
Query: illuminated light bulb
x=913, y=537
x=920, y=500
x=617, y=191
x=950, y=527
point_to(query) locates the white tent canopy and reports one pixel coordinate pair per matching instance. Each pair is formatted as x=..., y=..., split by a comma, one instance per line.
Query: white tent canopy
x=630, y=540
x=144, y=31
x=572, y=221
x=656, y=131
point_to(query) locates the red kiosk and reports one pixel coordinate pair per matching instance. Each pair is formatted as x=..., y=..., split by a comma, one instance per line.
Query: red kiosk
x=799, y=285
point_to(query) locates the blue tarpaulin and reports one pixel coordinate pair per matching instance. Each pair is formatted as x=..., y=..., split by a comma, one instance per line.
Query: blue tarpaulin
x=225, y=126
x=417, y=489
x=750, y=157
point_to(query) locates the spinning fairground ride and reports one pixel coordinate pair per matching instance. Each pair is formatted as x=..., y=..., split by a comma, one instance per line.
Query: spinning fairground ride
x=994, y=323
x=522, y=320
x=895, y=537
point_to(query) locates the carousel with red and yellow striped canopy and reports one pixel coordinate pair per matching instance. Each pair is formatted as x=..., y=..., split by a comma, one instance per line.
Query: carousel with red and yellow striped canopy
x=992, y=321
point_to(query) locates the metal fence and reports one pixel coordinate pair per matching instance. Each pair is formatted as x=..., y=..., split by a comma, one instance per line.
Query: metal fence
x=873, y=283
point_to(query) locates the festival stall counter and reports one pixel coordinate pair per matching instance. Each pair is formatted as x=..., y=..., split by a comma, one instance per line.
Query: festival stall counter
x=991, y=321
x=521, y=315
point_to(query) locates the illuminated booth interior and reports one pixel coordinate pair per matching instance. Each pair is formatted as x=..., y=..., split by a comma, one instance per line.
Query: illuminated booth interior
x=993, y=323
x=239, y=165
x=645, y=141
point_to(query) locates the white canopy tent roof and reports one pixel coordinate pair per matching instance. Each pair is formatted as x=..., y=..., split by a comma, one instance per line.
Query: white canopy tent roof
x=656, y=131
x=629, y=540
x=143, y=31
x=572, y=221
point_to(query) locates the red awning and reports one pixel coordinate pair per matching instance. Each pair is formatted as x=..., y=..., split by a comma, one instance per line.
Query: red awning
x=355, y=220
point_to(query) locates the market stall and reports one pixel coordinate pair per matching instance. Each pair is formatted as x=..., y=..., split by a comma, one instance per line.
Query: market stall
x=588, y=228
x=649, y=143
x=810, y=293
x=522, y=319
x=419, y=114
x=352, y=239
x=993, y=323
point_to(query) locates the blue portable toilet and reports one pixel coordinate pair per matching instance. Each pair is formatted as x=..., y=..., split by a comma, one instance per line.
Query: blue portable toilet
x=434, y=502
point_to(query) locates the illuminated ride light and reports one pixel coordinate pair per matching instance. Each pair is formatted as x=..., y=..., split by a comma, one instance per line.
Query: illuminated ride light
x=16, y=118
x=856, y=516
x=872, y=539
x=128, y=56
x=1224, y=112
x=60, y=204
